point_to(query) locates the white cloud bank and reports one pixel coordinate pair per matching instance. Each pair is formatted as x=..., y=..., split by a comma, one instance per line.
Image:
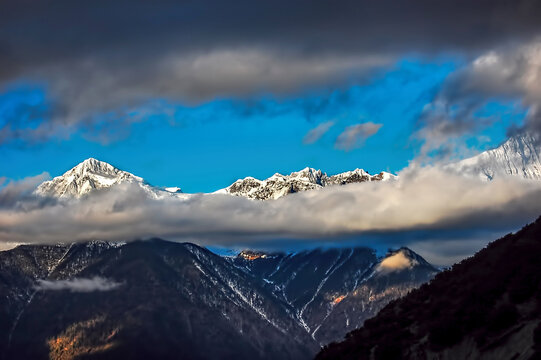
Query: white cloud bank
x=427, y=200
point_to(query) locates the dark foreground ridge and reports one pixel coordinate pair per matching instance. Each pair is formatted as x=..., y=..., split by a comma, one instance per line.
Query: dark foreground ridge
x=486, y=307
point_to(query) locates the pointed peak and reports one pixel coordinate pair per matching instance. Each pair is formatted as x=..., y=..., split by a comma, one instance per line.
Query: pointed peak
x=92, y=162
x=252, y=255
x=257, y=254
x=85, y=177
x=307, y=170
x=309, y=174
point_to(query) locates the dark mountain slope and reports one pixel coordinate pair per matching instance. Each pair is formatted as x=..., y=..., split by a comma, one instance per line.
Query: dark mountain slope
x=486, y=307
x=335, y=290
x=172, y=300
x=147, y=299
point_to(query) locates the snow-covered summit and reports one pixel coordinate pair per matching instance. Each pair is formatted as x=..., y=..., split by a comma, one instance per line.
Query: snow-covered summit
x=308, y=178
x=518, y=156
x=90, y=175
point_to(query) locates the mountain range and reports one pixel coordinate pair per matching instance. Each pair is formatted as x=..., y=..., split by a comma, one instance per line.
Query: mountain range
x=160, y=299
x=93, y=174
x=518, y=156
x=280, y=185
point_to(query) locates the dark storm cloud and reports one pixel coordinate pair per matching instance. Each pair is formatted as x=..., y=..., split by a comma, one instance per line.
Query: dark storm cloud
x=107, y=56
x=48, y=31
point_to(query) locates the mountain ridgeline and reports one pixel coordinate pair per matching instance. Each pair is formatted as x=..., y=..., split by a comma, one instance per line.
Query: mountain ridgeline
x=486, y=307
x=518, y=156
x=92, y=174
x=159, y=299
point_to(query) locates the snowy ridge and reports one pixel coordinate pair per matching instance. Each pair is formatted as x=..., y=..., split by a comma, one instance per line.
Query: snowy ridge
x=93, y=174
x=280, y=185
x=518, y=156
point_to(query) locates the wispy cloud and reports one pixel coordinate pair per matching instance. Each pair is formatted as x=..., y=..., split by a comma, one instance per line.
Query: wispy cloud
x=316, y=133
x=509, y=73
x=355, y=135
x=78, y=284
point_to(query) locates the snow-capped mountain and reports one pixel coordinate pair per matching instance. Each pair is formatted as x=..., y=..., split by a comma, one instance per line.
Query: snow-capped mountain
x=92, y=175
x=518, y=156
x=280, y=185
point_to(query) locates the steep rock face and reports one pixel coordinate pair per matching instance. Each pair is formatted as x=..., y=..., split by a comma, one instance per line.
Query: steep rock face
x=168, y=299
x=280, y=185
x=518, y=156
x=91, y=175
x=486, y=307
x=335, y=290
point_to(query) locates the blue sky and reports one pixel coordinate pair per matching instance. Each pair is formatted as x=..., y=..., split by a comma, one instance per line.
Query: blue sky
x=207, y=146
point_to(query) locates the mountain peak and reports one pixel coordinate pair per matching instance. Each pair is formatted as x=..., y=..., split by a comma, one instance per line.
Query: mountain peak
x=94, y=165
x=252, y=255
x=86, y=176
x=309, y=174
x=403, y=258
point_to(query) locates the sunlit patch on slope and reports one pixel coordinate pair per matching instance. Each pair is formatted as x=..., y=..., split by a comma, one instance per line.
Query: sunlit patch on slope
x=396, y=262
x=84, y=338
